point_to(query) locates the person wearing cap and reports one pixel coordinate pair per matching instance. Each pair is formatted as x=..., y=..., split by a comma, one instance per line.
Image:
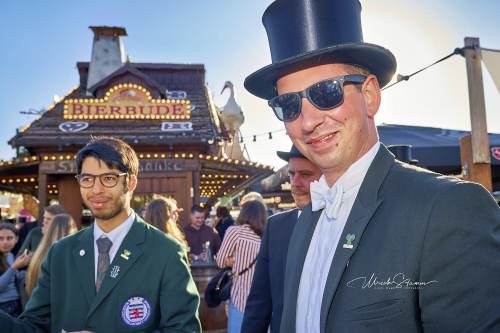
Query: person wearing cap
x=384, y=246
x=265, y=302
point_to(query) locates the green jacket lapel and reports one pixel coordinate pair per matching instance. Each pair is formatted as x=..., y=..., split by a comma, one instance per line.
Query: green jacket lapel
x=128, y=253
x=83, y=257
x=365, y=205
x=297, y=251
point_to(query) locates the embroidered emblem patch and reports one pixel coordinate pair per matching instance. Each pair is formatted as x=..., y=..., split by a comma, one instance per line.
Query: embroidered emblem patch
x=115, y=271
x=136, y=311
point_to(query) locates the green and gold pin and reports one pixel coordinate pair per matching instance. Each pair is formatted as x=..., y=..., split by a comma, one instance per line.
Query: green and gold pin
x=349, y=238
x=126, y=254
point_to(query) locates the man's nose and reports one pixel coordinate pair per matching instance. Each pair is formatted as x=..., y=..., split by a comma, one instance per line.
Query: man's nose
x=310, y=116
x=97, y=187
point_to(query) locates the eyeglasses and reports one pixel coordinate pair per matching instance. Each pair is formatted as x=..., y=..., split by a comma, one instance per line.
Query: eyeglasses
x=107, y=179
x=324, y=95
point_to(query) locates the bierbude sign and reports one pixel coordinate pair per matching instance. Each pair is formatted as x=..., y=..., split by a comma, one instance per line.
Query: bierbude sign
x=127, y=101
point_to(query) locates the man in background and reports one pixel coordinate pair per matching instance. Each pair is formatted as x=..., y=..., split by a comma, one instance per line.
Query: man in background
x=198, y=234
x=35, y=235
x=265, y=302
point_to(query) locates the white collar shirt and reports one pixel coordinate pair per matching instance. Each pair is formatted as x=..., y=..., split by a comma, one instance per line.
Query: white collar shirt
x=116, y=236
x=324, y=243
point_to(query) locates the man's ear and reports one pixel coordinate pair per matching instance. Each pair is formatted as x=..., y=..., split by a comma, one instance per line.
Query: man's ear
x=132, y=183
x=372, y=95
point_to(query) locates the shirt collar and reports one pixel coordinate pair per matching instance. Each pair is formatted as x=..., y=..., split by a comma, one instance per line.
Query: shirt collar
x=116, y=232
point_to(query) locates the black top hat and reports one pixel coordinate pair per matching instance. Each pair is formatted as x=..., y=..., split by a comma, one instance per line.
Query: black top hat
x=286, y=156
x=307, y=33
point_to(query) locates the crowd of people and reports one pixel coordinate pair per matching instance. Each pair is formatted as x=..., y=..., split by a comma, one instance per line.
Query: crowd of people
x=19, y=274
x=225, y=242
x=375, y=245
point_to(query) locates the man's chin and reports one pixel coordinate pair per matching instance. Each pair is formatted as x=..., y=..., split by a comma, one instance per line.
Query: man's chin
x=105, y=215
x=301, y=202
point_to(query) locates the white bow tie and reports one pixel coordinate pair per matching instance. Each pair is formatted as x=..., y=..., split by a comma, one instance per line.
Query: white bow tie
x=325, y=197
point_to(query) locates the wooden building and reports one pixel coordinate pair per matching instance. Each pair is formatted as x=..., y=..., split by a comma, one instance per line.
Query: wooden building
x=164, y=111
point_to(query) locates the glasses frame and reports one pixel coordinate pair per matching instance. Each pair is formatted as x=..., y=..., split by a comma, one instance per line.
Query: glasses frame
x=343, y=79
x=100, y=179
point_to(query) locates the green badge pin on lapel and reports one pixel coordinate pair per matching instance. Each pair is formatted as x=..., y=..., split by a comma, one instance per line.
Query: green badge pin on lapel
x=349, y=238
x=126, y=254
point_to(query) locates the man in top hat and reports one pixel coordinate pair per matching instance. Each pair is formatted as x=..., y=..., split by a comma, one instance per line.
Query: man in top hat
x=384, y=246
x=120, y=274
x=265, y=301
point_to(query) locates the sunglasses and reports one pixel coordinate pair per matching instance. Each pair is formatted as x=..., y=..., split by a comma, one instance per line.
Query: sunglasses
x=324, y=95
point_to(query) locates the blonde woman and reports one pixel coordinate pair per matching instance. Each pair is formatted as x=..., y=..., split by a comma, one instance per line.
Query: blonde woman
x=62, y=225
x=163, y=214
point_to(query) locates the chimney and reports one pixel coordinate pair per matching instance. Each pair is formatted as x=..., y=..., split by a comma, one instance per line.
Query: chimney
x=107, y=53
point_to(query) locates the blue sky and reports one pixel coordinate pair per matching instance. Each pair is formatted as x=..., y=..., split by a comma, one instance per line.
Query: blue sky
x=42, y=41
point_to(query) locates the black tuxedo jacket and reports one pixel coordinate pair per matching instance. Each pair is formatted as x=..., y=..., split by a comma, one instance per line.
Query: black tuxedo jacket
x=265, y=302
x=425, y=257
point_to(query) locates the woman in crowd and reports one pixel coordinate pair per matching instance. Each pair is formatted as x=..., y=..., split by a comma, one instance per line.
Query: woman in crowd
x=239, y=250
x=224, y=221
x=10, y=276
x=163, y=214
x=61, y=226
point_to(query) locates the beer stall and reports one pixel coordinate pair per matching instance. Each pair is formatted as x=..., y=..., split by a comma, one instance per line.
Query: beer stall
x=188, y=148
x=164, y=111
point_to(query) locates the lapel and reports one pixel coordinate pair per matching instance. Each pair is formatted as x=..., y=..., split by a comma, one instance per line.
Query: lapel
x=365, y=205
x=297, y=251
x=85, y=265
x=134, y=238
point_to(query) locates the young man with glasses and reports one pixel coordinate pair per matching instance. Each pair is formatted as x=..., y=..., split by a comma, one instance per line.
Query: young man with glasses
x=119, y=275
x=384, y=246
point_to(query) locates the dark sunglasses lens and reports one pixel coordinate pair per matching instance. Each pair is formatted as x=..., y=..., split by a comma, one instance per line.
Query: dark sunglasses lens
x=326, y=94
x=286, y=107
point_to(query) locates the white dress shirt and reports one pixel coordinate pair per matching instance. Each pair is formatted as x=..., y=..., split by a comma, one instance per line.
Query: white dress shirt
x=324, y=243
x=116, y=236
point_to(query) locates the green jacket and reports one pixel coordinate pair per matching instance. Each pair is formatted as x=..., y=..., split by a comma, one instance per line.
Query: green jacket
x=148, y=288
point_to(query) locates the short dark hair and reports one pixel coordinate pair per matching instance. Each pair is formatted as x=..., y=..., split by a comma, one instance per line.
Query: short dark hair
x=222, y=211
x=114, y=152
x=55, y=209
x=197, y=209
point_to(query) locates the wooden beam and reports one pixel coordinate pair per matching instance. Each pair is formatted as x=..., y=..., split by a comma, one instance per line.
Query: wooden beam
x=42, y=194
x=196, y=187
x=479, y=129
x=474, y=172
x=475, y=150
x=70, y=197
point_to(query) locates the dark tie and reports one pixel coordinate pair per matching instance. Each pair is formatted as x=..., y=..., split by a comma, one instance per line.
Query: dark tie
x=103, y=246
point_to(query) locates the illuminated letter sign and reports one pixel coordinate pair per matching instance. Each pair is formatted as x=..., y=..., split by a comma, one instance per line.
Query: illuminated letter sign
x=127, y=101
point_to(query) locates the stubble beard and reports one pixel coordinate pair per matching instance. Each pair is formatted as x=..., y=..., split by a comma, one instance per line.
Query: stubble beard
x=117, y=209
